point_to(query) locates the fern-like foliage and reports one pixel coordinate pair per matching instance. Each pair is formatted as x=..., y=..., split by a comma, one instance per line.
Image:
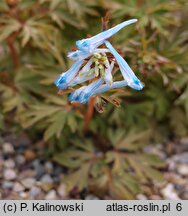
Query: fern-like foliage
x=117, y=168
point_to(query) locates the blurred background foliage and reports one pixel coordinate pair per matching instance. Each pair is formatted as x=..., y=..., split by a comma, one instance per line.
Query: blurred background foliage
x=102, y=153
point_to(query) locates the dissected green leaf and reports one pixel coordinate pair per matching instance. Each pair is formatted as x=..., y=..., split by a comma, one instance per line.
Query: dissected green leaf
x=7, y=27
x=78, y=178
x=57, y=123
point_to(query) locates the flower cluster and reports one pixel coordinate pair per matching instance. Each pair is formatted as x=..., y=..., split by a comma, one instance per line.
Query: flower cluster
x=92, y=64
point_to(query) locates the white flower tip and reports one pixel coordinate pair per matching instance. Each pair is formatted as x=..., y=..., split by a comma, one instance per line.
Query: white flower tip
x=135, y=20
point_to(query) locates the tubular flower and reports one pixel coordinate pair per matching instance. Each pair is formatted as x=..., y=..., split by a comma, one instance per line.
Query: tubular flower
x=84, y=94
x=79, y=55
x=94, y=64
x=106, y=87
x=74, y=96
x=64, y=79
x=126, y=71
x=88, y=45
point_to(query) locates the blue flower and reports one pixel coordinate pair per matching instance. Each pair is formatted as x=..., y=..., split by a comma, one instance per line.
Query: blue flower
x=126, y=71
x=90, y=44
x=64, y=79
x=95, y=64
x=84, y=93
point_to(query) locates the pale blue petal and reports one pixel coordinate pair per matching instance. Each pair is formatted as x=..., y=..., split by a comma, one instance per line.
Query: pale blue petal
x=86, y=69
x=90, y=44
x=63, y=80
x=87, y=92
x=74, y=96
x=97, y=88
x=126, y=71
x=108, y=73
x=101, y=50
x=84, y=74
x=105, y=87
x=80, y=55
x=82, y=95
x=81, y=79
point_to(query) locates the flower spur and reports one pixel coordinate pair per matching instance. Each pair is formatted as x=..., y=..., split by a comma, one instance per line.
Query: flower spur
x=90, y=44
